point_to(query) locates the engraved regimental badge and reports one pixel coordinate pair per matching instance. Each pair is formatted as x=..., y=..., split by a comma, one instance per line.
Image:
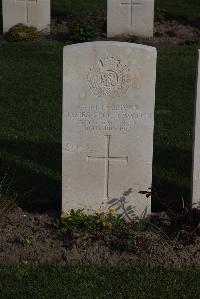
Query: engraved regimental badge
x=109, y=77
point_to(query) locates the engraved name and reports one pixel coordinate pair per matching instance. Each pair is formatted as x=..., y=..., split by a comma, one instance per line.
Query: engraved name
x=120, y=117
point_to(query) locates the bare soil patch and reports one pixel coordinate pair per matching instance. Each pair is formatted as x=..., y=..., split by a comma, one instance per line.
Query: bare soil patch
x=175, y=32
x=168, y=32
x=36, y=239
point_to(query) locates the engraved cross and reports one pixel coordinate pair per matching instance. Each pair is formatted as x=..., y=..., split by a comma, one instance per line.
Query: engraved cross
x=131, y=4
x=26, y=8
x=107, y=158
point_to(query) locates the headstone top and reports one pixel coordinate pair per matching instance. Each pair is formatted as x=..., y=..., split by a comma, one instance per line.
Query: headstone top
x=111, y=43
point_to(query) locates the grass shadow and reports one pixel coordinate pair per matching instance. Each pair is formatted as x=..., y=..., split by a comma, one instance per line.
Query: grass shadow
x=171, y=177
x=34, y=169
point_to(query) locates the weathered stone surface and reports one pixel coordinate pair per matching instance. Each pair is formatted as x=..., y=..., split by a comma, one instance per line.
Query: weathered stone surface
x=130, y=17
x=196, y=147
x=28, y=12
x=108, y=121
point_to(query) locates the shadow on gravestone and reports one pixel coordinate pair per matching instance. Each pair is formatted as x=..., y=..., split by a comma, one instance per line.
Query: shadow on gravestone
x=33, y=170
x=127, y=212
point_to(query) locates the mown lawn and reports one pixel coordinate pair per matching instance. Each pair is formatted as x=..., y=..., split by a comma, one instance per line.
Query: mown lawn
x=98, y=282
x=30, y=120
x=175, y=94
x=185, y=10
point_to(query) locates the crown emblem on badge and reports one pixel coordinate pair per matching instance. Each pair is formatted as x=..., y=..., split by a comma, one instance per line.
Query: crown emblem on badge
x=109, y=61
x=109, y=77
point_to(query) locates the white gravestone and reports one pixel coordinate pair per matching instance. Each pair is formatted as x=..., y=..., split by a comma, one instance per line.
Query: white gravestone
x=130, y=17
x=28, y=12
x=196, y=148
x=108, y=121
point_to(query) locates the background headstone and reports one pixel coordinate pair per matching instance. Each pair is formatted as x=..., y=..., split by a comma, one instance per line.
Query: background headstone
x=130, y=17
x=108, y=121
x=196, y=148
x=28, y=12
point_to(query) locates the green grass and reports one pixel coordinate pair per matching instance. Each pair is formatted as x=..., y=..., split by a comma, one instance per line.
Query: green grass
x=186, y=10
x=30, y=120
x=175, y=94
x=99, y=282
x=64, y=7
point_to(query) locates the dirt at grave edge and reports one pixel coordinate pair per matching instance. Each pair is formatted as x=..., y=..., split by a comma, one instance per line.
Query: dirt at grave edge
x=35, y=239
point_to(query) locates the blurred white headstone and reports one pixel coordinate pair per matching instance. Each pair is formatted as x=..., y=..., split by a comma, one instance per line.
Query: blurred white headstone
x=130, y=17
x=34, y=13
x=108, y=122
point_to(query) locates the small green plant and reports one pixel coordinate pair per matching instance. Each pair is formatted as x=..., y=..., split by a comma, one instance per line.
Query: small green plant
x=78, y=220
x=124, y=239
x=177, y=226
x=174, y=227
x=123, y=234
x=85, y=31
x=28, y=238
x=22, y=32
